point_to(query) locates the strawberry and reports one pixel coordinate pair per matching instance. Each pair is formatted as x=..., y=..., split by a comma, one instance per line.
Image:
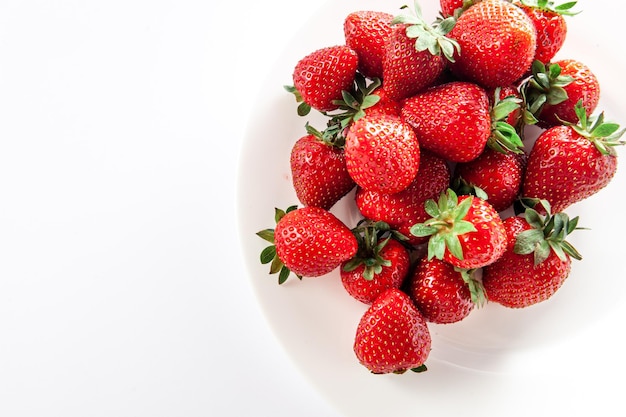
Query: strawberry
x=415, y=54
x=307, y=241
x=454, y=7
x=318, y=169
x=569, y=163
x=497, y=41
x=464, y=231
x=452, y=120
x=404, y=209
x=536, y=262
x=553, y=91
x=381, y=262
x=497, y=175
x=549, y=23
x=392, y=335
x=382, y=153
x=366, y=32
x=320, y=77
x=443, y=293
x=384, y=105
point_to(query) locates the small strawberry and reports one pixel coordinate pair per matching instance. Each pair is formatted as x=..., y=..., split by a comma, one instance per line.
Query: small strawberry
x=365, y=32
x=404, y=209
x=498, y=175
x=536, y=262
x=498, y=42
x=464, y=231
x=415, y=54
x=550, y=25
x=569, y=163
x=444, y=293
x=318, y=169
x=382, y=262
x=452, y=120
x=307, y=241
x=382, y=153
x=392, y=335
x=320, y=77
x=454, y=7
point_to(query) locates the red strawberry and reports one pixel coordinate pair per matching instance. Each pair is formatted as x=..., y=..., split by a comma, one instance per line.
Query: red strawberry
x=382, y=153
x=443, y=293
x=307, y=241
x=452, y=7
x=498, y=175
x=464, y=231
x=568, y=82
x=404, y=209
x=569, y=163
x=382, y=262
x=415, y=55
x=392, y=335
x=549, y=23
x=498, y=42
x=318, y=168
x=320, y=77
x=537, y=260
x=452, y=120
x=366, y=32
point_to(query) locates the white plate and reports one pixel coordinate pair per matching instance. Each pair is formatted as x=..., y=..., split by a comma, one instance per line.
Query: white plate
x=559, y=354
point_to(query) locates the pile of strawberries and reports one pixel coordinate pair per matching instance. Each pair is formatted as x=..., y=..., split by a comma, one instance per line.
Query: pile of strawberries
x=426, y=126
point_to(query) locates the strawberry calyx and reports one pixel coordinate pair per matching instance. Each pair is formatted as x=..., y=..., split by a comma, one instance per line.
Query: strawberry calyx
x=269, y=254
x=372, y=237
x=462, y=187
x=353, y=104
x=447, y=222
x=429, y=37
x=604, y=135
x=547, y=234
x=303, y=107
x=544, y=86
x=475, y=286
x=549, y=5
x=504, y=137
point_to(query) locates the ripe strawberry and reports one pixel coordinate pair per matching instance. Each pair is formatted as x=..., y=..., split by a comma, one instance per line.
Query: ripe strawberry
x=320, y=77
x=569, y=163
x=498, y=42
x=549, y=23
x=415, y=54
x=382, y=262
x=382, y=153
x=452, y=120
x=443, y=293
x=366, y=32
x=498, y=175
x=392, y=335
x=307, y=241
x=552, y=97
x=454, y=7
x=404, y=209
x=464, y=231
x=318, y=169
x=536, y=262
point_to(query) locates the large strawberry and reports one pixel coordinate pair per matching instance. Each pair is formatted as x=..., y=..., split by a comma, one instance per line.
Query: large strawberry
x=382, y=153
x=498, y=175
x=392, y=335
x=366, y=32
x=464, y=231
x=381, y=262
x=416, y=54
x=550, y=25
x=320, y=77
x=404, y=209
x=536, y=262
x=498, y=42
x=452, y=120
x=307, y=241
x=443, y=293
x=569, y=163
x=318, y=169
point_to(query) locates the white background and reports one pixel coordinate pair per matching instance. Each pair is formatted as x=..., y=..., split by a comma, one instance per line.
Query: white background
x=122, y=288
